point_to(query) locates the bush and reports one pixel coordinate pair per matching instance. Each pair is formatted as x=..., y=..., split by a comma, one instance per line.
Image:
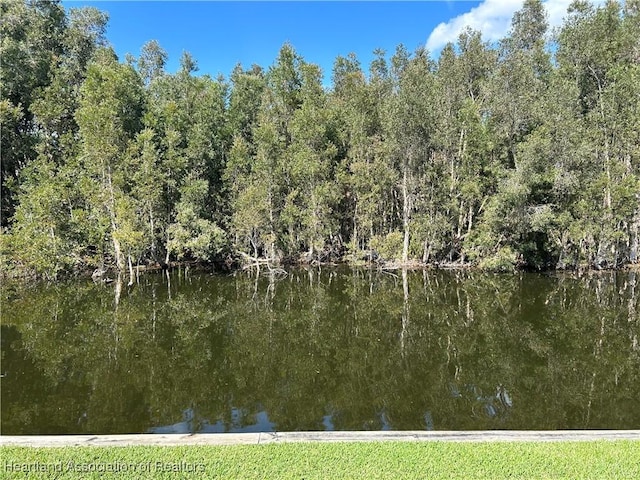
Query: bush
x=504, y=260
x=389, y=247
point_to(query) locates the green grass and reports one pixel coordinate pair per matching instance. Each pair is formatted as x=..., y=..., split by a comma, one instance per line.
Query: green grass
x=425, y=460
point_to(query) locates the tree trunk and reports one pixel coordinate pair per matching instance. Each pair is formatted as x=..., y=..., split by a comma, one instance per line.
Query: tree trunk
x=272, y=248
x=117, y=250
x=131, y=274
x=607, y=156
x=117, y=291
x=426, y=252
x=634, y=233
x=315, y=223
x=153, y=236
x=461, y=215
x=355, y=228
x=405, y=211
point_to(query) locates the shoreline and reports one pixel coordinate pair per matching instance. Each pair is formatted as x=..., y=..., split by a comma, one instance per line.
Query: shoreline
x=383, y=266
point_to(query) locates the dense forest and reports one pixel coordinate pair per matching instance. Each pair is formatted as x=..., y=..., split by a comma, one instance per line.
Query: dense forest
x=519, y=154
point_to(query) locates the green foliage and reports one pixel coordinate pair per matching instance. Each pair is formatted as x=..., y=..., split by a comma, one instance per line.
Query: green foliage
x=522, y=153
x=36, y=242
x=192, y=236
x=31, y=36
x=389, y=247
x=504, y=260
x=151, y=62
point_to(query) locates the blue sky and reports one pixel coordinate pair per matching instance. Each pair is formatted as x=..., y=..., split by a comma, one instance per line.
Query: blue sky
x=221, y=34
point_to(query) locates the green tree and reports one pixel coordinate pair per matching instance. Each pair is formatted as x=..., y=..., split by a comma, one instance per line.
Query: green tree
x=604, y=73
x=51, y=231
x=109, y=117
x=247, y=87
x=506, y=236
x=463, y=143
x=269, y=171
x=522, y=154
x=187, y=115
x=192, y=235
x=151, y=61
x=248, y=216
x=31, y=38
x=369, y=179
x=309, y=211
x=410, y=129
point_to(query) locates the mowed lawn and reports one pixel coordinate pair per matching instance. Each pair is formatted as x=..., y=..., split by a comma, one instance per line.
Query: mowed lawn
x=366, y=460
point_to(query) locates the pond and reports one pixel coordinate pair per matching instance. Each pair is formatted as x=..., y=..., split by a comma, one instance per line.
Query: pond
x=322, y=349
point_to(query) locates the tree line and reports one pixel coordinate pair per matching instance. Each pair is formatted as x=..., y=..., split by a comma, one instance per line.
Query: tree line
x=520, y=154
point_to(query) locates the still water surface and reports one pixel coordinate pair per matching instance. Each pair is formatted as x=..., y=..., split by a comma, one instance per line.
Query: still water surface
x=322, y=349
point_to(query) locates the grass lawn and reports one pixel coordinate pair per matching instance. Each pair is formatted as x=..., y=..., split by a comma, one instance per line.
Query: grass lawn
x=427, y=460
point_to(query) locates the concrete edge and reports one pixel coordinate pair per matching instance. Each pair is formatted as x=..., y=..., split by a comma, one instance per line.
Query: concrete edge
x=290, y=437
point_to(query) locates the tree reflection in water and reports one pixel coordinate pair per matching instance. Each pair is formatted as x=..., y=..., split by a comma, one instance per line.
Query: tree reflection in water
x=322, y=349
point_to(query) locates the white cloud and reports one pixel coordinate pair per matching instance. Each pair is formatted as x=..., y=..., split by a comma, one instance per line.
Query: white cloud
x=557, y=10
x=493, y=19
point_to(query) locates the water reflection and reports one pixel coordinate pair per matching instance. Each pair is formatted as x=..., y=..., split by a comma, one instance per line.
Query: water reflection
x=322, y=349
x=240, y=423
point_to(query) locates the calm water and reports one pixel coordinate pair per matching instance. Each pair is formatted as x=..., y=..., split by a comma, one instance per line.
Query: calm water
x=322, y=350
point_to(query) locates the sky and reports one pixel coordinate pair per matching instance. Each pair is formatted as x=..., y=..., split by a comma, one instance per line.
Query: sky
x=221, y=34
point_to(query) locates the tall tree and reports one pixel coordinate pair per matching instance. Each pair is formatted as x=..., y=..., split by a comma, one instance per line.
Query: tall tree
x=51, y=231
x=31, y=38
x=518, y=88
x=604, y=69
x=410, y=126
x=463, y=145
x=110, y=116
x=151, y=61
x=270, y=179
x=248, y=219
x=368, y=177
x=313, y=154
x=187, y=114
